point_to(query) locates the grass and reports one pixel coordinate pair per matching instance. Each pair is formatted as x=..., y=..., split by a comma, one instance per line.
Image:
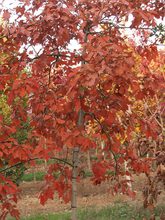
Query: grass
x=56, y=216
x=118, y=211
x=41, y=161
x=39, y=176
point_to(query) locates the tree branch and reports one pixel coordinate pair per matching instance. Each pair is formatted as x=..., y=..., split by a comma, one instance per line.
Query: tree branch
x=107, y=135
x=32, y=159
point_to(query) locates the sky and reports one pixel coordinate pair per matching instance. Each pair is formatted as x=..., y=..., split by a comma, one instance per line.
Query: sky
x=9, y=4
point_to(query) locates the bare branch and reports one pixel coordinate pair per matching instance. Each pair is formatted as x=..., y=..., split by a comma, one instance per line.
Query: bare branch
x=32, y=159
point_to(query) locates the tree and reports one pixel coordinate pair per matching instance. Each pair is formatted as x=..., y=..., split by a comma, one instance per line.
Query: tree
x=67, y=89
x=151, y=109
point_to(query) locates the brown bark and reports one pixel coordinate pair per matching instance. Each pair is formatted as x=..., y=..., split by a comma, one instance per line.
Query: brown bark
x=74, y=182
x=76, y=151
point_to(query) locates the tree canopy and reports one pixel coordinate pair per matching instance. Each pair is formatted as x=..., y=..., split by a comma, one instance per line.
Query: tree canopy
x=73, y=98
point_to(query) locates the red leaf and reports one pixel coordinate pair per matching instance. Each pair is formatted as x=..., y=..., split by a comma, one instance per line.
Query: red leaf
x=47, y=194
x=6, y=15
x=1, y=187
x=99, y=169
x=47, y=117
x=1, y=154
x=110, y=118
x=10, y=189
x=60, y=121
x=16, y=84
x=22, y=92
x=15, y=213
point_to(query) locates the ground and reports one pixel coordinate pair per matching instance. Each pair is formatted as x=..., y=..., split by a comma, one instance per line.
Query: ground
x=88, y=196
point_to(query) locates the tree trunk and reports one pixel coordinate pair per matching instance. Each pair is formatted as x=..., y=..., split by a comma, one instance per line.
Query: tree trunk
x=127, y=177
x=34, y=174
x=89, y=160
x=80, y=124
x=74, y=182
x=102, y=148
x=76, y=151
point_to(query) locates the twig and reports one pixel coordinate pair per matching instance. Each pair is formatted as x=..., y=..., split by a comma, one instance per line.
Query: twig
x=107, y=135
x=20, y=163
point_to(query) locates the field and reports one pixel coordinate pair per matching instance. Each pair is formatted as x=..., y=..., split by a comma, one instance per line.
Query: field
x=94, y=202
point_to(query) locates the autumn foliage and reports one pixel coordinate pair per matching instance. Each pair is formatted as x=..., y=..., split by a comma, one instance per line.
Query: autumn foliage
x=112, y=81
